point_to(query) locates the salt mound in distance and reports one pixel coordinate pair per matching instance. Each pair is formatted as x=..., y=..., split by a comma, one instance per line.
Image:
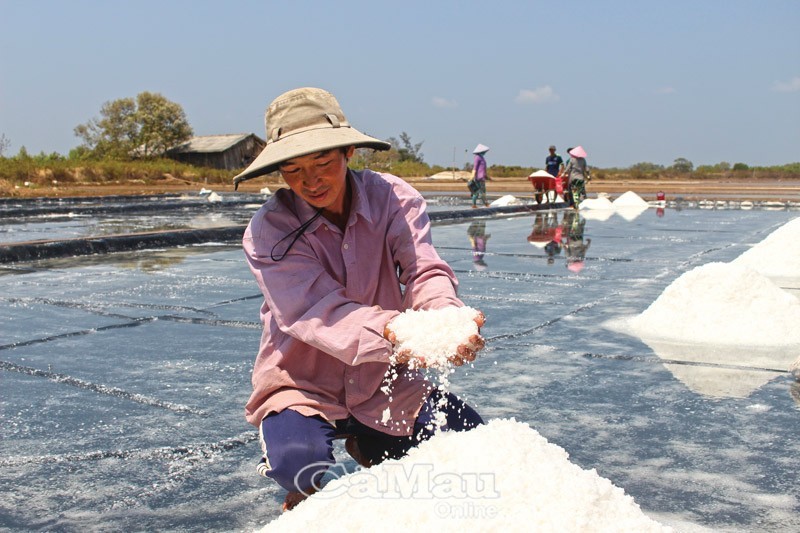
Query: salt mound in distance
x=508, y=199
x=502, y=476
x=596, y=203
x=778, y=255
x=725, y=304
x=630, y=199
x=432, y=336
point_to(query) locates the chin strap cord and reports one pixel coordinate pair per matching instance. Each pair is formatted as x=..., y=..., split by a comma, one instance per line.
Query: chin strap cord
x=297, y=234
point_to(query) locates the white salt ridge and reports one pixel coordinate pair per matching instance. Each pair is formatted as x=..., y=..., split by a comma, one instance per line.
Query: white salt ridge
x=630, y=199
x=433, y=335
x=600, y=203
x=629, y=206
x=508, y=199
x=794, y=368
x=778, y=255
x=502, y=476
x=724, y=304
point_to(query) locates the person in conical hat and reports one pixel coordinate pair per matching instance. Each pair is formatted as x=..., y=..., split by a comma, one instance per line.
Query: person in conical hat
x=338, y=255
x=577, y=174
x=479, y=176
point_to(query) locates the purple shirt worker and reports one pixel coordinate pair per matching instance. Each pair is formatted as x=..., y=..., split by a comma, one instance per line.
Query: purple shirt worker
x=337, y=256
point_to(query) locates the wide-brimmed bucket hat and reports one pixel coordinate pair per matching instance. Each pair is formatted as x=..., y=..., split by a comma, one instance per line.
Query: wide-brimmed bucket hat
x=480, y=149
x=578, y=151
x=301, y=122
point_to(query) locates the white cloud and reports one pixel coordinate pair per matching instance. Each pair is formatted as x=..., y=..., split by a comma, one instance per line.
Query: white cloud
x=539, y=95
x=790, y=86
x=665, y=90
x=438, y=101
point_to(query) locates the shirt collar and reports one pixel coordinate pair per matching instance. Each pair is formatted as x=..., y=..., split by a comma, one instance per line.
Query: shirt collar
x=360, y=205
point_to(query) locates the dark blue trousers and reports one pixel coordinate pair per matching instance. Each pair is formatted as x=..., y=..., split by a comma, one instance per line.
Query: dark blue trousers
x=299, y=449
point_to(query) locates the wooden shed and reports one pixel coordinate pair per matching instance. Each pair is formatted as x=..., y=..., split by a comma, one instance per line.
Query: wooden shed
x=229, y=152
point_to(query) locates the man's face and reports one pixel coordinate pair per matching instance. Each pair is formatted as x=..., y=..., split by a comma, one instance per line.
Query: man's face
x=320, y=178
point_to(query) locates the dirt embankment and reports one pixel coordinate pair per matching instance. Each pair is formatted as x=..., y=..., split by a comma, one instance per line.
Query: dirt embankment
x=779, y=190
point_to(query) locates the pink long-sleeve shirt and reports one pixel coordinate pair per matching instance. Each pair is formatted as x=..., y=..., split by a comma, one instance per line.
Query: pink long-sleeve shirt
x=326, y=304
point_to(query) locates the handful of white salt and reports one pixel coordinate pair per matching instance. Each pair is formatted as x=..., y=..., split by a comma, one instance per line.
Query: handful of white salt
x=431, y=338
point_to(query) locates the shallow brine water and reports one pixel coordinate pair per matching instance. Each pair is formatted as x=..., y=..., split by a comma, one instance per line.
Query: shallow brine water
x=124, y=376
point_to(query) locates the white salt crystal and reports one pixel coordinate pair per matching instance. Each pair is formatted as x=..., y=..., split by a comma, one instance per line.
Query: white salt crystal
x=432, y=336
x=596, y=203
x=501, y=476
x=506, y=200
x=725, y=304
x=794, y=368
x=778, y=255
x=630, y=199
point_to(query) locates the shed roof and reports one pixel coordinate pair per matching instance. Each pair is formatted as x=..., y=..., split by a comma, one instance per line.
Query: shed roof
x=210, y=143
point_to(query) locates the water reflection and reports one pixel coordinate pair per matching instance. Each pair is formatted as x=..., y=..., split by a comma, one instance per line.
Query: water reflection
x=478, y=239
x=546, y=234
x=722, y=371
x=151, y=260
x=574, y=246
x=553, y=236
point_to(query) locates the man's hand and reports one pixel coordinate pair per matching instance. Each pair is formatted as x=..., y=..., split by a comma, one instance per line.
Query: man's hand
x=465, y=353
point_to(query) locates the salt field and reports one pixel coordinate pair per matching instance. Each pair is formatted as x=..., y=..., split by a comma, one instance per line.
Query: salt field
x=124, y=376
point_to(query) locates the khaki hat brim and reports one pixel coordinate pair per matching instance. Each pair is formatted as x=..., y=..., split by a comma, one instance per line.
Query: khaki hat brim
x=304, y=143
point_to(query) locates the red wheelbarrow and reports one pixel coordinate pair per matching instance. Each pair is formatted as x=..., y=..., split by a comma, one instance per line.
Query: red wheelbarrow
x=546, y=187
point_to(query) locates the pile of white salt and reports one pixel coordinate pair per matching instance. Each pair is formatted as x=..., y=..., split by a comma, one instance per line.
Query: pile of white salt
x=723, y=304
x=630, y=199
x=431, y=337
x=600, y=203
x=778, y=255
x=502, y=476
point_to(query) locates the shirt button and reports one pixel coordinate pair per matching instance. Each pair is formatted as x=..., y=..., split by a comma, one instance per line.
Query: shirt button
x=351, y=381
x=346, y=246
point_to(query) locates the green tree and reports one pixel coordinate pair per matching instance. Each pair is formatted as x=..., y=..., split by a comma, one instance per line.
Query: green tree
x=79, y=153
x=740, y=166
x=682, y=165
x=646, y=167
x=162, y=124
x=113, y=135
x=406, y=150
x=142, y=127
x=23, y=154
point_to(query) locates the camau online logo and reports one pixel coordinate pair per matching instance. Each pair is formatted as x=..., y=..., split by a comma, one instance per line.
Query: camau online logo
x=399, y=481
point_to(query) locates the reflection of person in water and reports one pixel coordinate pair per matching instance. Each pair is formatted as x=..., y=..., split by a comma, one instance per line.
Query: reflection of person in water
x=478, y=238
x=574, y=246
x=553, y=248
x=546, y=234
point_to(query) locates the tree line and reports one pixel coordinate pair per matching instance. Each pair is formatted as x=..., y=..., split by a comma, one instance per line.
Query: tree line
x=143, y=128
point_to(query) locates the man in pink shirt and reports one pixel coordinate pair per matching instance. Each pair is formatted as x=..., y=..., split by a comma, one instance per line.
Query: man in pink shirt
x=337, y=256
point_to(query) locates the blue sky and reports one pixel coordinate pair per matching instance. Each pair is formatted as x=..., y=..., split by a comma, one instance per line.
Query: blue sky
x=708, y=80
